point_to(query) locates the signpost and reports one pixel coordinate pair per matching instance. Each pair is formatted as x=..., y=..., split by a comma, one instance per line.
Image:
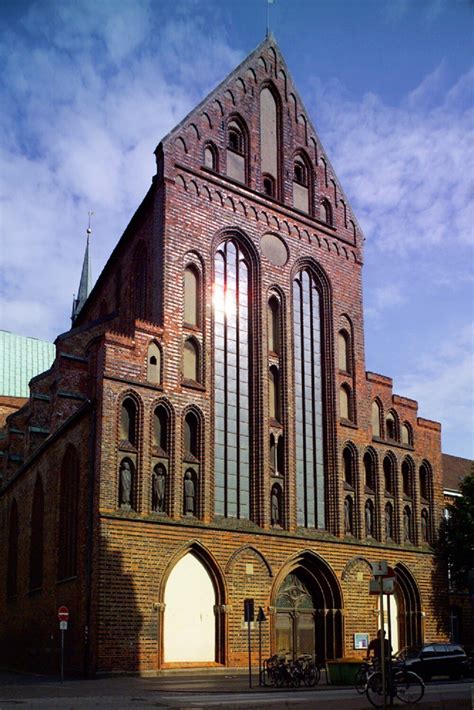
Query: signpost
x=63, y=617
x=260, y=617
x=379, y=570
x=249, y=617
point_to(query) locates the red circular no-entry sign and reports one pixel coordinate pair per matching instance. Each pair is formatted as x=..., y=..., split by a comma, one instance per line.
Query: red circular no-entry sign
x=63, y=613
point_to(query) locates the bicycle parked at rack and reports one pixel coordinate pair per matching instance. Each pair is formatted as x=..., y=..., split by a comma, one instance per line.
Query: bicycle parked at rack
x=278, y=671
x=406, y=685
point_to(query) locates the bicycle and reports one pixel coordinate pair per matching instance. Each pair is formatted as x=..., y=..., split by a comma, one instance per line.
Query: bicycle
x=362, y=675
x=406, y=685
x=277, y=671
x=308, y=671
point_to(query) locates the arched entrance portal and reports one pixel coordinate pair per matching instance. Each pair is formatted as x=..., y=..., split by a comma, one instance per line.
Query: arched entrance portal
x=410, y=627
x=189, y=620
x=309, y=615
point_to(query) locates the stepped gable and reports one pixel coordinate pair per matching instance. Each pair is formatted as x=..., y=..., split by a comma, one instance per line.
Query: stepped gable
x=234, y=99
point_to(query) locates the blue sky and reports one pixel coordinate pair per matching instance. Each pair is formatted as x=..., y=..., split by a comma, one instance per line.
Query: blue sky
x=89, y=87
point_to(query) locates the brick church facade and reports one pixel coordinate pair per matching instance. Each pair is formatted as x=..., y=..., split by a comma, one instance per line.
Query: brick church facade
x=208, y=431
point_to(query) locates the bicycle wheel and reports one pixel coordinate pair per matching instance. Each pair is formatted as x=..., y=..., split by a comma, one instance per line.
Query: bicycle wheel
x=360, y=679
x=374, y=690
x=409, y=687
x=311, y=676
x=266, y=677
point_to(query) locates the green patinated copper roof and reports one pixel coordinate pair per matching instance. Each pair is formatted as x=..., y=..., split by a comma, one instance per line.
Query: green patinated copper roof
x=22, y=358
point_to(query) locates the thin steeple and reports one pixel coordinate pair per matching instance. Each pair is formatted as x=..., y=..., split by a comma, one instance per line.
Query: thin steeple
x=86, y=278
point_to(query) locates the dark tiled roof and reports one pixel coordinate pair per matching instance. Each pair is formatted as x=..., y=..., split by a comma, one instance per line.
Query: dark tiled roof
x=455, y=468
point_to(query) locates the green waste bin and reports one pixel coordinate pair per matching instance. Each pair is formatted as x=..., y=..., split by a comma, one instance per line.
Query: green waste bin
x=342, y=672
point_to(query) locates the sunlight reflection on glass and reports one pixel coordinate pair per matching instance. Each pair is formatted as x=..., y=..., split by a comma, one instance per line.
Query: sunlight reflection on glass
x=224, y=301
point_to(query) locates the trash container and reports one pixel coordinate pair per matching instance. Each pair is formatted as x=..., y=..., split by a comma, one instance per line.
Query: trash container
x=343, y=672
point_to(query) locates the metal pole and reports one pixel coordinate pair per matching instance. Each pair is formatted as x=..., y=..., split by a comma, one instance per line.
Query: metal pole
x=260, y=652
x=382, y=644
x=62, y=655
x=250, y=654
x=389, y=620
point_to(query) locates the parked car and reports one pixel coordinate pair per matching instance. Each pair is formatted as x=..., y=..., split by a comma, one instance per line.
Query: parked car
x=433, y=659
x=470, y=659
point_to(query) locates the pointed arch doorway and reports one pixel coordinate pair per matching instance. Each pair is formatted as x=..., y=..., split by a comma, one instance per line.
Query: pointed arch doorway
x=309, y=614
x=193, y=628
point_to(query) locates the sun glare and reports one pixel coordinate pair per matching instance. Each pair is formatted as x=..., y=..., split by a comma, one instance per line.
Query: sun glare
x=224, y=301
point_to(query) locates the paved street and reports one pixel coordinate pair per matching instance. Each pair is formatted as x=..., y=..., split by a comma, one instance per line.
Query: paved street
x=181, y=692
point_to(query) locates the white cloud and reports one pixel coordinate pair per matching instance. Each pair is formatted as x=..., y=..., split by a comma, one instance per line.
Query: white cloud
x=405, y=167
x=384, y=298
x=88, y=92
x=443, y=384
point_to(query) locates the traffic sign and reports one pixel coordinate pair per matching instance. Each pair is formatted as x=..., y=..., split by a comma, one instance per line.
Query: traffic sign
x=63, y=613
x=379, y=568
x=388, y=585
x=63, y=625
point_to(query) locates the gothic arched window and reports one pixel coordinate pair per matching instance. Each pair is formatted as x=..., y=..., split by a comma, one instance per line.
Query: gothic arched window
x=232, y=367
x=12, y=560
x=68, y=494
x=37, y=536
x=308, y=323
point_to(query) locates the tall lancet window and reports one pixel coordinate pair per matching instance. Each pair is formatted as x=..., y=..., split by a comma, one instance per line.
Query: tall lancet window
x=308, y=402
x=232, y=437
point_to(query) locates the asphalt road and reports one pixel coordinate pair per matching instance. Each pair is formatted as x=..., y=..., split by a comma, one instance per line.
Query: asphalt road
x=203, y=692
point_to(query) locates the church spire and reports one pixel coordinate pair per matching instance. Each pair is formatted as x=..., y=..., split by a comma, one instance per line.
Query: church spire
x=85, y=282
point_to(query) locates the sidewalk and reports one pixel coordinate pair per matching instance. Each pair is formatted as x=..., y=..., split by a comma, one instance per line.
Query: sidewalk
x=176, y=690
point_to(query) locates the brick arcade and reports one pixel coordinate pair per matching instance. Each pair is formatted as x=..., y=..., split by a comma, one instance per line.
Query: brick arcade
x=208, y=431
